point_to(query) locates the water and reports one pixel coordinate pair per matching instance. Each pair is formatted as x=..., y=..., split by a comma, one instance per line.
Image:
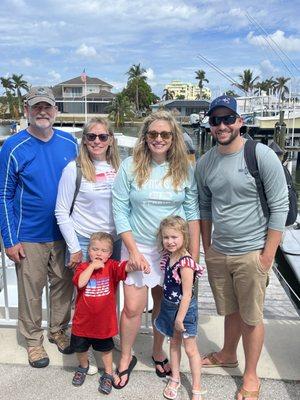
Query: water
x=4, y=130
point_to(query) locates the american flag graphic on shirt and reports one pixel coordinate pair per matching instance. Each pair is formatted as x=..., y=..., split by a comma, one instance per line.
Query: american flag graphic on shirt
x=97, y=287
x=105, y=180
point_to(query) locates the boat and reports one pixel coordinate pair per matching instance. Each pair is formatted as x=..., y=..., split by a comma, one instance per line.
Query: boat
x=291, y=119
x=288, y=264
x=123, y=141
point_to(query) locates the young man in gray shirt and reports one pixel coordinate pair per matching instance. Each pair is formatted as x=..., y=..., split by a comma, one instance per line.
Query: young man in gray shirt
x=240, y=251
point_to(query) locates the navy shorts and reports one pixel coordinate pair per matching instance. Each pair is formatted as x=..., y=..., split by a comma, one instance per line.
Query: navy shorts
x=164, y=323
x=81, y=344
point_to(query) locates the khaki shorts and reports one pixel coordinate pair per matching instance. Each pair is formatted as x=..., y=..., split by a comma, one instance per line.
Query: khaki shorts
x=238, y=283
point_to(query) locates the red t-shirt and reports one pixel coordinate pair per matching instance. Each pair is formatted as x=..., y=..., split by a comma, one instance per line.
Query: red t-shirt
x=95, y=310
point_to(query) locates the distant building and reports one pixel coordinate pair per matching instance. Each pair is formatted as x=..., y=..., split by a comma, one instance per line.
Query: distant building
x=182, y=109
x=70, y=96
x=190, y=91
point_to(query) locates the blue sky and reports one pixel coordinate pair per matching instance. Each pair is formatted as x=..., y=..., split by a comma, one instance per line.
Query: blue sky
x=52, y=41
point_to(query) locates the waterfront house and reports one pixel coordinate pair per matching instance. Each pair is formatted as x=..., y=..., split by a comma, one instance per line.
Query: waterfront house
x=74, y=96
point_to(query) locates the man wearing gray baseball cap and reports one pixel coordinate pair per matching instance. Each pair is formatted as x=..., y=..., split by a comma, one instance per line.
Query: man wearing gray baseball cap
x=31, y=164
x=39, y=94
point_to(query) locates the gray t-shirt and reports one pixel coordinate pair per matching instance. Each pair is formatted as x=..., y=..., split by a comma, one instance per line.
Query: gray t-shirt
x=228, y=196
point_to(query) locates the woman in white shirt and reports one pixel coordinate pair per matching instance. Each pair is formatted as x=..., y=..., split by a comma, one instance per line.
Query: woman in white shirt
x=98, y=161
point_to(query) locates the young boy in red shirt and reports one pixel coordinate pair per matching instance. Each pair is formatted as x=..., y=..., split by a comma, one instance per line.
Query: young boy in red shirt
x=95, y=318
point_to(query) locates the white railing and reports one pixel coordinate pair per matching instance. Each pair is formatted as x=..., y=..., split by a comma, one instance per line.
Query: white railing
x=9, y=297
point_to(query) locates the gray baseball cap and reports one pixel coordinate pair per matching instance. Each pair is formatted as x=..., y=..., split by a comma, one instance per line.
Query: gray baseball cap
x=40, y=93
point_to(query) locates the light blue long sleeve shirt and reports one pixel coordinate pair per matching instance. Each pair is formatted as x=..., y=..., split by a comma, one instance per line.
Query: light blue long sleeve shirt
x=141, y=210
x=228, y=196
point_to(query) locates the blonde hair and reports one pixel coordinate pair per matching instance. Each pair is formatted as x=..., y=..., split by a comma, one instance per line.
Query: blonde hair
x=84, y=159
x=102, y=236
x=180, y=225
x=176, y=155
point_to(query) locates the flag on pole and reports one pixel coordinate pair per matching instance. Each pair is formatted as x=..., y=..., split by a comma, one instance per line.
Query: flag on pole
x=83, y=76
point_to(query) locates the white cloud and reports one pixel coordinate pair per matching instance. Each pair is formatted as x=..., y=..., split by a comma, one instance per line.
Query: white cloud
x=150, y=74
x=54, y=75
x=25, y=62
x=86, y=51
x=267, y=69
x=289, y=43
x=53, y=50
x=118, y=86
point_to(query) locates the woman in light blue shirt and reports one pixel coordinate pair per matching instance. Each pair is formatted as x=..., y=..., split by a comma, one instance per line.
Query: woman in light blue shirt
x=156, y=182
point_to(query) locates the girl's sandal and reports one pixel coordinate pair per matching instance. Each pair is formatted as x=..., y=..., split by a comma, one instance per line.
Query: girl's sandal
x=171, y=392
x=197, y=394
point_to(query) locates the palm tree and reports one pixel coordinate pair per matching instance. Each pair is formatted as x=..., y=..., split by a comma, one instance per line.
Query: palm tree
x=247, y=81
x=168, y=94
x=200, y=75
x=267, y=85
x=281, y=88
x=19, y=83
x=7, y=84
x=136, y=74
x=9, y=91
x=231, y=93
x=119, y=109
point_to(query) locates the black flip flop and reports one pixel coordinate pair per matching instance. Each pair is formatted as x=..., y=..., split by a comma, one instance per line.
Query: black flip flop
x=161, y=363
x=127, y=371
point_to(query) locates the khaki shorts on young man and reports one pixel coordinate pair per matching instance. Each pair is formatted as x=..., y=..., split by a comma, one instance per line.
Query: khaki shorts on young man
x=238, y=283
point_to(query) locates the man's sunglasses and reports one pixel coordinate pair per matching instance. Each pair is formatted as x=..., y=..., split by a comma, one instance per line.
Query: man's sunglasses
x=91, y=137
x=164, y=135
x=226, y=119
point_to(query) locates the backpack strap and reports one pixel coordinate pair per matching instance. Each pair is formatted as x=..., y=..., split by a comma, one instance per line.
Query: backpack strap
x=251, y=162
x=77, y=185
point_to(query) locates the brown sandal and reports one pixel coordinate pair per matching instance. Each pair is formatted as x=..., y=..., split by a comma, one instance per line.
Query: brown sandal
x=214, y=362
x=249, y=393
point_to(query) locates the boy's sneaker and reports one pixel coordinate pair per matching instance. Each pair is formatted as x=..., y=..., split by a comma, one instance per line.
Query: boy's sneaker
x=62, y=341
x=37, y=356
x=105, y=383
x=79, y=376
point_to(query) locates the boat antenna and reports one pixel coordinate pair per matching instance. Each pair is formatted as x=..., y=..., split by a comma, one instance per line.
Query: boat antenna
x=269, y=39
x=228, y=77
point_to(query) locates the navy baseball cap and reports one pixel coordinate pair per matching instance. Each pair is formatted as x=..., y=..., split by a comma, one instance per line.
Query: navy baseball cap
x=223, y=101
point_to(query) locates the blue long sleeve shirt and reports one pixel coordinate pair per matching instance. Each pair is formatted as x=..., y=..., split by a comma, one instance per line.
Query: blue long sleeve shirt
x=141, y=210
x=30, y=170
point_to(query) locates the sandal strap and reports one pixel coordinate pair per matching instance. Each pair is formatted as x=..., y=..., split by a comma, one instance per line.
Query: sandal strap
x=106, y=380
x=161, y=363
x=204, y=391
x=174, y=380
x=211, y=357
x=249, y=393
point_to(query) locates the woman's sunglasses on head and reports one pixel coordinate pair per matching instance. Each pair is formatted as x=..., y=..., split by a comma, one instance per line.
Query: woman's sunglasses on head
x=91, y=137
x=226, y=119
x=154, y=135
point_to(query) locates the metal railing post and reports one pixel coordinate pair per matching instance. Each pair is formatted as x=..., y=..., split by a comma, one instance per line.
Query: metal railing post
x=3, y=266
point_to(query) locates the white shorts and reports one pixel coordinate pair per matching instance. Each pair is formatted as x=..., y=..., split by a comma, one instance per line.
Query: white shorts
x=138, y=278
